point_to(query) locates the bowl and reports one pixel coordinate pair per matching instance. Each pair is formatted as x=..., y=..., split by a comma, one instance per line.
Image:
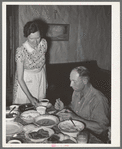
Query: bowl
x=36, y=130
x=47, y=120
x=15, y=140
x=28, y=116
x=11, y=117
x=16, y=107
x=44, y=102
x=67, y=127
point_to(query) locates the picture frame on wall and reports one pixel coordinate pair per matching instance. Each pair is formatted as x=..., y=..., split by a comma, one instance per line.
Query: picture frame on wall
x=58, y=32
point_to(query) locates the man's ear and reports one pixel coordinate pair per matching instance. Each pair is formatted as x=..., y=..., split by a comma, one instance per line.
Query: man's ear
x=85, y=80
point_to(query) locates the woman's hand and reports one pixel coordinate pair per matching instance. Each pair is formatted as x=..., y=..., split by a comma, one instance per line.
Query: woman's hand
x=59, y=105
x=34, y=101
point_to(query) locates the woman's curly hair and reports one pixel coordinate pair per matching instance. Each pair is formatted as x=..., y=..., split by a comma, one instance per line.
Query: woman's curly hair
x=32, y=27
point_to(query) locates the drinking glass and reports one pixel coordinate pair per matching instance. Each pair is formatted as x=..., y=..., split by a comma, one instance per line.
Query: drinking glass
x=82, y=138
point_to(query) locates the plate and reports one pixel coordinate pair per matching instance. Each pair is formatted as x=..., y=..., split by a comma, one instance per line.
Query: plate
x=67, y=127
x=13, y=128
x=47, y=120
x=28, y=116
x=50, y=131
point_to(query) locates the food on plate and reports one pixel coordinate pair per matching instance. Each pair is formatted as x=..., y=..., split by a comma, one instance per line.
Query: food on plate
x=45, y=122
x=39, y=134
x=69, y=127
x=29, y=114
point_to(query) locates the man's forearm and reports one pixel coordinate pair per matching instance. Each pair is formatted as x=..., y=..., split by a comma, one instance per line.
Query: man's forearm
x=91, y=125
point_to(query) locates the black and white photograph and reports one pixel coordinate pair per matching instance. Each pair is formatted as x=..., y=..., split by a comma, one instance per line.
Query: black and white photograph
x=61, y=74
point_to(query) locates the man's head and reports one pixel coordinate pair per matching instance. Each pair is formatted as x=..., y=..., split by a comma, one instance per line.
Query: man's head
x=79, y=78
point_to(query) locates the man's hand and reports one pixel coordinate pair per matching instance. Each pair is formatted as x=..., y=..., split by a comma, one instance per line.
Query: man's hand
x=67, y=115
x=59, y=105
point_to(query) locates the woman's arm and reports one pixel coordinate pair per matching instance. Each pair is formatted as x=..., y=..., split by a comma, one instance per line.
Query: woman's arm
x=20, y=71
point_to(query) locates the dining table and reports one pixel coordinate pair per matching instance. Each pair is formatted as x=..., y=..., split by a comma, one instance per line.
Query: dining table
x=49, y=111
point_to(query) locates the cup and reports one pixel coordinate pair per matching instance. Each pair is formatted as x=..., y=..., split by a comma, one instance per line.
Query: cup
x=14, y=142
x=44, y=102
x=41, y=109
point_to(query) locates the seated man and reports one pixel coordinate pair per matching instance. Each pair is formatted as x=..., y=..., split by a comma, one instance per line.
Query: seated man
x=88, y=104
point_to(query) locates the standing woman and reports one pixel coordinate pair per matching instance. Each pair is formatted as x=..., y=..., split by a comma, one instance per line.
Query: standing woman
x=30, y=77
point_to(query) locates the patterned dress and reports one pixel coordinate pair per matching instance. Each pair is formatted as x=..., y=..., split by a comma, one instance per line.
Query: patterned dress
x=34, y=72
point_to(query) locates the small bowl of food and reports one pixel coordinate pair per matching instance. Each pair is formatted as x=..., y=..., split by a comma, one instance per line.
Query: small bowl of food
x=67, y=127
x=10, y=116
x=44, y=102
x=15, y=107
x=39, y=134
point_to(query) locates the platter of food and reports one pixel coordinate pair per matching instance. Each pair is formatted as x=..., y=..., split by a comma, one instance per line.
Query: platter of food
x=13, y=128
x=28, y=116
x=39, y=134
x=47, y=120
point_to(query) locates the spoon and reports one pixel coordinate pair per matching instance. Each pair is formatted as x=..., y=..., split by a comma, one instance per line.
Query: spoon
x=72, y=121
x=73, y=124
x=11, y=110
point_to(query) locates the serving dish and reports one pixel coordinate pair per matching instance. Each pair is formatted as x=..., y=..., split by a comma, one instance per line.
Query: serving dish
x=13, y=128
x=28, y=116
x=36, y=130
x=67, y=127
x=26, y=107
x=47, y=120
